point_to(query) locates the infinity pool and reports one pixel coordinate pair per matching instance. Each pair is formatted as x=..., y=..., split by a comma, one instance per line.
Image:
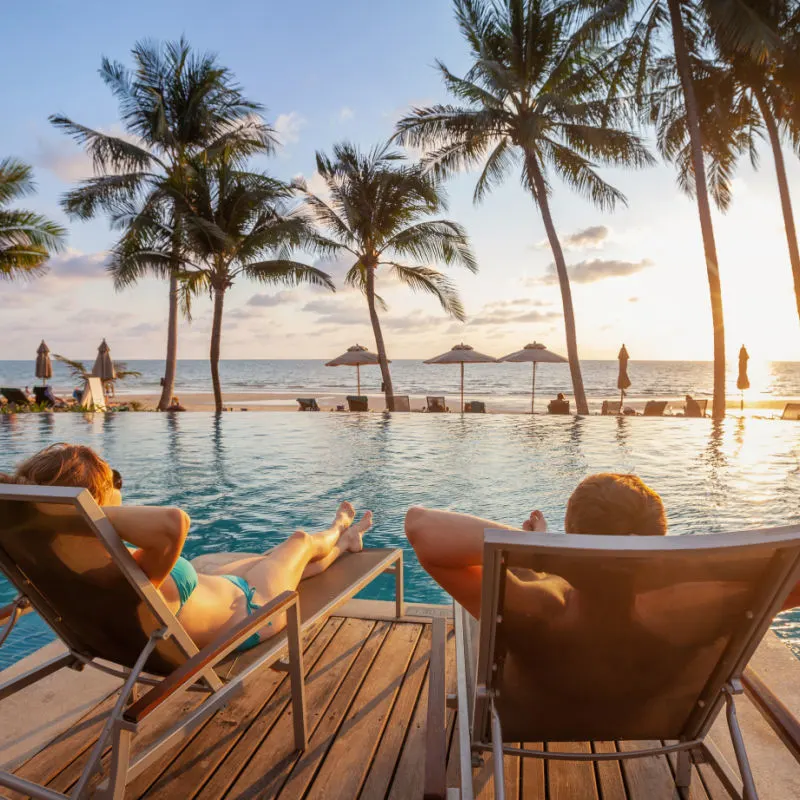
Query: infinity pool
x=248, y=480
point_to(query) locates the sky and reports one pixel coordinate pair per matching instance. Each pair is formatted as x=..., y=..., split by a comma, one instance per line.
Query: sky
x=348, y=70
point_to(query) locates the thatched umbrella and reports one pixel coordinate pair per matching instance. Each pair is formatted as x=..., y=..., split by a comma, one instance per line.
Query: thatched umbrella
x=623, y=381
x=103, y=365
x=356, y=356
x=743, y=382
x=535, y=353
x=44, y=368
x=462, y=354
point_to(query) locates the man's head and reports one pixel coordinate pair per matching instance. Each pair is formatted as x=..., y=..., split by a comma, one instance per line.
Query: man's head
x=612, y=503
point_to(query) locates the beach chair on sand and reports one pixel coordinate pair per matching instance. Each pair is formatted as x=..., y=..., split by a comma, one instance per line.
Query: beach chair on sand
x=790, y=411
x=15, y=397
x=655, y=408
x=697, y=408
x=436, y=405
x=93, y=396
x=475, y=407
x=307, y=404
x=666, y=628
x=357, y=403
x=611, y=407
x=402, y=402
x=558, y=407
x=66, y=560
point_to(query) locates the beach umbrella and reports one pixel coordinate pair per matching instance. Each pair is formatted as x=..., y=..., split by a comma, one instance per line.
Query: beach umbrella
x=44, y=368
x=462, y=354
x=623, y=381
x=535, y=353
x=743, y=382
x=356, y=356
x=103, y=365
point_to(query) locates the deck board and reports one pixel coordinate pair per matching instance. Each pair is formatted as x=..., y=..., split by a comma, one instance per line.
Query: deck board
x=366, y=695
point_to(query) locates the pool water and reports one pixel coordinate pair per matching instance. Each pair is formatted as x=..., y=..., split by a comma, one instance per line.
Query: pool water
x=248, y=480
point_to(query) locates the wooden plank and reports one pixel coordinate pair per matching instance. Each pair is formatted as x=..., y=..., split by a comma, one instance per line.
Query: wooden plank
x=609, y=773
x=403, y=721
x=483, y=777
x=183, y=775
x=343, y=771
x=568, y=780
x=275, y=755
x=774, y=711
x=435, y=780
x=648, y=778
x=532, y=775
x=712, y=784
x=697, y=790
x=331, y=715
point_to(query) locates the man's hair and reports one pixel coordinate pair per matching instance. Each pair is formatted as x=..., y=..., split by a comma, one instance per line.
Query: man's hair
x=66, y=465
x=613, y=503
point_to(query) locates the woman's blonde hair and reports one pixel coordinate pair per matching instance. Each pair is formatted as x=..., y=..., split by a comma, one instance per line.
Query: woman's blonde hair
x=66, y=465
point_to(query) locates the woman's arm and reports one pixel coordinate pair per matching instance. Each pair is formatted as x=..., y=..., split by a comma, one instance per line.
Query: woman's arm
x=159, y=533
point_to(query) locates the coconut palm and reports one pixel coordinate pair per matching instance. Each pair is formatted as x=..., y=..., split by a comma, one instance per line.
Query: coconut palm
x=235, y=225
x=174, y=105
x=26, y=239
x=529, y=100
x=379, y=214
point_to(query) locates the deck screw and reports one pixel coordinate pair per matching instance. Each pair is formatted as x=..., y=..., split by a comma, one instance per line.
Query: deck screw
x=749, y=614
x=499, y=618
x=701, y=703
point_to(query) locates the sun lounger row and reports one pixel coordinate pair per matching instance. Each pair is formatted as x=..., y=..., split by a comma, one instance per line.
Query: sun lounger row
x=402, y=402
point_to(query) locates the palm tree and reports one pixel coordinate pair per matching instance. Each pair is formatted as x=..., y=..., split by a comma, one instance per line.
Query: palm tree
x=530, y=98
x=174, y=105
x=26, y=239
x=379, y=213
x=79, y=371
x=235, y=224
x=737, y=26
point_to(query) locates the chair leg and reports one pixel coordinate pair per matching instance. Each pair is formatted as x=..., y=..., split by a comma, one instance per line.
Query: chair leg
x=683, y=772
x=296, y=675
x=748, y=784
x=400, y=608
x=497, y=756
x=120, y=759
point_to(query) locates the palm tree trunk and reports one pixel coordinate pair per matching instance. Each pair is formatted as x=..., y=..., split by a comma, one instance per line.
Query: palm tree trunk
x=172, y=345
x=783, y=189
x=540, y=192
x=703, y=205
x=386, y=376
x=216, y=337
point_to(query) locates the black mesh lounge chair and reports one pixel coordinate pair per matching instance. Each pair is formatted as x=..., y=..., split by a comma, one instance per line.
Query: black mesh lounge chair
x=402, y=402
x=791, y=411
x=436, y=405
x=64, y=557
x=357, y=403
x=611, y=407
x=475, y=407
x=307, y=404
x=655, y=408
x=45, y=397
x=558, y=407
x=684, y=613
x=15, y=397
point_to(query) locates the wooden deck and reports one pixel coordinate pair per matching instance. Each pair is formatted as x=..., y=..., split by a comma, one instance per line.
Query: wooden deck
x=366, y=683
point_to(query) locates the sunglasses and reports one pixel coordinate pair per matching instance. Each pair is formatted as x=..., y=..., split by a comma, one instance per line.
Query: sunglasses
x=116, y=479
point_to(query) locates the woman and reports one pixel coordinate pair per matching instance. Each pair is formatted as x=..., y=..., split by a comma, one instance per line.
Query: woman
x=205, y=604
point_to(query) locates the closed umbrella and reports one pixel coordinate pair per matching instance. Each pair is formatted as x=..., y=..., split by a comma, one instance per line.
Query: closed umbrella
x=535, y=353
x=356, y=356
x=103, y=365
x=44, y=368
x=623, y=381
x=743, y=382
x=462, y=354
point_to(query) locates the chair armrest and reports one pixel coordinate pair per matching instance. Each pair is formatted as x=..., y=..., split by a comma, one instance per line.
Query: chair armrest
x=436, y=729
x=779, y=717
x=21, y=605
x=207, y=657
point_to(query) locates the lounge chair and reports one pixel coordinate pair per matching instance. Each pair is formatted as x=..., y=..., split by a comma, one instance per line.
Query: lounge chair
x=307, y=404
x=357, y=403
x=436, y=405
x=402, y=402
x=66, y=560
x=790, y=411
x=475, y=407
x=611, y=407
x=669, y=626
x=93, y=396
x=45, y=397
x=558, y=407
x=15, y=397
x=655, y=408
x=698, y=411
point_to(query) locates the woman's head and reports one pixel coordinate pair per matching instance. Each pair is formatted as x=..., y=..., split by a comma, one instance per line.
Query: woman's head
x=70, y=465
x=611, y=503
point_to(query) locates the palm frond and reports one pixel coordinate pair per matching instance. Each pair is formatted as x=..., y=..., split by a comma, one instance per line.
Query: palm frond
x=433, y=282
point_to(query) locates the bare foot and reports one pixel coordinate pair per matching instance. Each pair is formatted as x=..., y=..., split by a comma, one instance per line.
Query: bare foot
x=351, y=539
x=536, y=523
x=345, y=515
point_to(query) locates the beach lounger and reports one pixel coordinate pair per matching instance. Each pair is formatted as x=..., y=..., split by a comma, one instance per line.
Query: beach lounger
x=93, y=396
x=669, y=624
x=655, y=408
x=436, y=405
x=475, y=407
x=45, y=397
x=15, y=397
x=611, y=407
x=698, y=411
x=558, y=407
x=791, y=411
x=64, y=557
x=307, y=404
x=357, y=403
x=402, y=402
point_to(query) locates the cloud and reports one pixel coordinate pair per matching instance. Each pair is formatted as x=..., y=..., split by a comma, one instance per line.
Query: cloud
x=597, y=269
x=345, y=113
x=505, y=318
x=269, y=300
x=633, y=299
x=288, y=127
x=416, y=322
x=591, y=238
x=75, y=264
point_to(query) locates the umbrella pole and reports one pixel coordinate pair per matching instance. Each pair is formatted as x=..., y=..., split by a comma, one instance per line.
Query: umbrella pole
x=533, y=385
x=358, y=378
x=621, y=400
x=462, y=387
x=741, y=407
